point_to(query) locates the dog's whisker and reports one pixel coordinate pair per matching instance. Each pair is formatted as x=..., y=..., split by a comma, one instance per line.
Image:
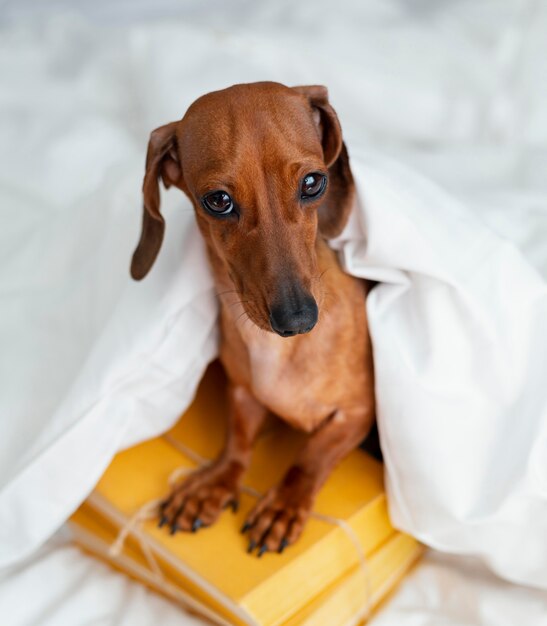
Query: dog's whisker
x=223, y=293
x=246, y=319
x=240, y=316
x=320, y=276
x=324, y=272
x=237, y=302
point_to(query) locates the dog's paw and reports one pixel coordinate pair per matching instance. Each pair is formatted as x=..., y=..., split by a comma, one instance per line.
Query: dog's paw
x=200, y=499
x=279, y=518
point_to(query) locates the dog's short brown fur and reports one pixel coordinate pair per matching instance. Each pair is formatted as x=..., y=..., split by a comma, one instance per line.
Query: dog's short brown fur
x=270, y=261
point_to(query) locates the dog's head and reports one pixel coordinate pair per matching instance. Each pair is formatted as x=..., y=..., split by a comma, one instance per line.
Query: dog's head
x=267, y=172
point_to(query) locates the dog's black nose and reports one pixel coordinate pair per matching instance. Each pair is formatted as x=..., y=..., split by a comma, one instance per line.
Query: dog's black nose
x=294, y=317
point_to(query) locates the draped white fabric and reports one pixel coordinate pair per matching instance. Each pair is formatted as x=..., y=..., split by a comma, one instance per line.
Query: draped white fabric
x=459, y=328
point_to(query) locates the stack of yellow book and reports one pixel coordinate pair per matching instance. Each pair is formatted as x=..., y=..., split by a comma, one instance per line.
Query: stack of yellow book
x=348, y=558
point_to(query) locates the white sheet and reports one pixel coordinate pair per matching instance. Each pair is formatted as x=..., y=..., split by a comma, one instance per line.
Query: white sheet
x=80, y=591
x=62, y=586
x=454, y=89
x=459, y=329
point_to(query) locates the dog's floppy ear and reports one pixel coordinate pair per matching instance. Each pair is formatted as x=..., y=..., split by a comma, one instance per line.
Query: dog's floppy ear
x=162, y=160
x=336, y=207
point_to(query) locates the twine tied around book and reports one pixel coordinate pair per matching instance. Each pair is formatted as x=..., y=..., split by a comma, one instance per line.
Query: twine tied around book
x=150, y=509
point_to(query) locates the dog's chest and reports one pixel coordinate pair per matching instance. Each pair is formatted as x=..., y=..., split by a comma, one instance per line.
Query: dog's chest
x=281, y=382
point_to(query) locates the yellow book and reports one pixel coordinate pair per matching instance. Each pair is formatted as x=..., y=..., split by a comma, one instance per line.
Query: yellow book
x=212, y=566
x=352, y=598
x=347, y=602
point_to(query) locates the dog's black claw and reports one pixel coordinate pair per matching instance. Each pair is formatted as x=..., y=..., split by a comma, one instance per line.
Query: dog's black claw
x=262, y=549
x=252, y=546
x=245, y=527
x=196, y=525
x=232, y=504
x=284, y=543
x=174, y=528
x=162, y=521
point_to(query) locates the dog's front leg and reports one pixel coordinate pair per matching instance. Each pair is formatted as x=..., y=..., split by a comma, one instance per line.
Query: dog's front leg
x=199, y=500
x=279, y=518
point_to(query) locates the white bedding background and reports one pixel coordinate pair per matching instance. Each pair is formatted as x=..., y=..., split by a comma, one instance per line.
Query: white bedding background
x=91, y=362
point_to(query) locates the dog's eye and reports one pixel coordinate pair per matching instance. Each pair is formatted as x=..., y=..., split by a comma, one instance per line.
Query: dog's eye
x=218, y=202
x=313, y=185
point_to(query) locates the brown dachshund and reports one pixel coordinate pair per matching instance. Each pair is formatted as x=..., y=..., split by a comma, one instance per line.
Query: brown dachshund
x=268, y=174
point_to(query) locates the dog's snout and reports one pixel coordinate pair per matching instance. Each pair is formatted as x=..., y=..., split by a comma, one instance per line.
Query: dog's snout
x=294, y=316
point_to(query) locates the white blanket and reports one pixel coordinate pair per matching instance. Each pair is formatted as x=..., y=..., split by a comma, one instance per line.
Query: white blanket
x=459, y=329
x=70, y=588
x=92, y=363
